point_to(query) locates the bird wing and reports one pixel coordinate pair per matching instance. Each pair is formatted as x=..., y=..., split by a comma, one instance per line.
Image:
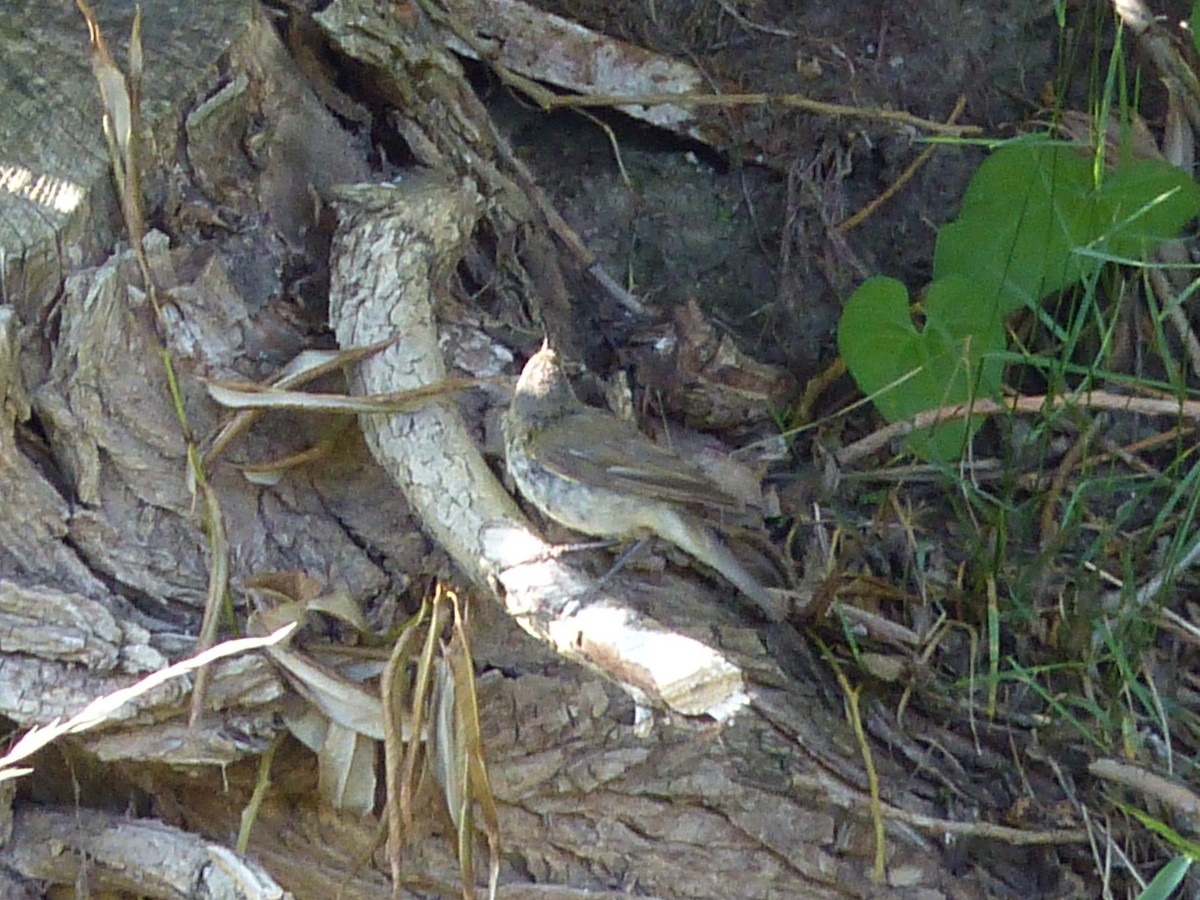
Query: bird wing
x=615, y=456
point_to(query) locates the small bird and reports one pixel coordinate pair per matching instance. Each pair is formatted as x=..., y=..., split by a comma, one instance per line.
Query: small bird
x=597, y=474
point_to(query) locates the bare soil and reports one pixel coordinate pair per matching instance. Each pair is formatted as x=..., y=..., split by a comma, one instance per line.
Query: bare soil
x=751, y=232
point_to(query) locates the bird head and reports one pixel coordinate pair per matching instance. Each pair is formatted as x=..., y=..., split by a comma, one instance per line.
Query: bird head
x=543, y=393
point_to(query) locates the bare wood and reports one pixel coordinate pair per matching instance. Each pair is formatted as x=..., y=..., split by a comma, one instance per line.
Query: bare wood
x=103, y=850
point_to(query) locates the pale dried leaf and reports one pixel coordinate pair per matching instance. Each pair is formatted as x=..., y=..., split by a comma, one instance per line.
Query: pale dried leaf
x=311, y=364
x=245, y=395
x=350, y=705
x=291, y=586
x=268, y=476
x=305, y=367
x=102, y=708
x=269, y=473
x=114, y=93
x=307, y=725
x=446, y=750
x=136, y=59
x=342, y=607
x=1179, y=143
x=346, y=770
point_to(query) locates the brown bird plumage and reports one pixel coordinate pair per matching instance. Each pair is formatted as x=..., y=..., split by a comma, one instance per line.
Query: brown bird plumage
x=597, y=474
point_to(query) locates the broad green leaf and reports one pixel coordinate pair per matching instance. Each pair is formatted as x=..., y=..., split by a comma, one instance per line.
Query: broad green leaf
x=1027, y=208
x=956, y=305
x=905, y=371
x=1144, y=204
x=1031, y=207
x=1033, y=222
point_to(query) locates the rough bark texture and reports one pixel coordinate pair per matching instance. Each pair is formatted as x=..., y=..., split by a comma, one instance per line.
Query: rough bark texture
x=103, y=563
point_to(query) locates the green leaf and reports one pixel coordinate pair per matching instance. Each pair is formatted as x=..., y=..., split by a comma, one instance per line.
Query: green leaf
x=1031, y=207
x=905, y=371
x=1027, y=208
x=1144, y=204
x=1033, y=222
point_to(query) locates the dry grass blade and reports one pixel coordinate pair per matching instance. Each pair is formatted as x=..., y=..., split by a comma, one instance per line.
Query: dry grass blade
x=101, y=708
x=395, y=689
x=271, y=472
x=305, y=367
x=470, y=738
x=218, y=591
x=121, y=98
x=239, y=395
x=261, y=786
x=419, y=705
x=442, y=687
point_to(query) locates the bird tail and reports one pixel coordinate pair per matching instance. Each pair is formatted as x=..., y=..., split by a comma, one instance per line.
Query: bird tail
x=700, y=541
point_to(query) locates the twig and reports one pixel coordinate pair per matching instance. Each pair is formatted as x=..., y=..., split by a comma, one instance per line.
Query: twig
x=1185, y=803
x=753, y=26
x=791, y=101
x=894, y=188
x=1146, y=406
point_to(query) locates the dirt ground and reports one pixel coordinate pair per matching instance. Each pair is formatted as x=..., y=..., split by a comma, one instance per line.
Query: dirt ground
x=747, y=230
